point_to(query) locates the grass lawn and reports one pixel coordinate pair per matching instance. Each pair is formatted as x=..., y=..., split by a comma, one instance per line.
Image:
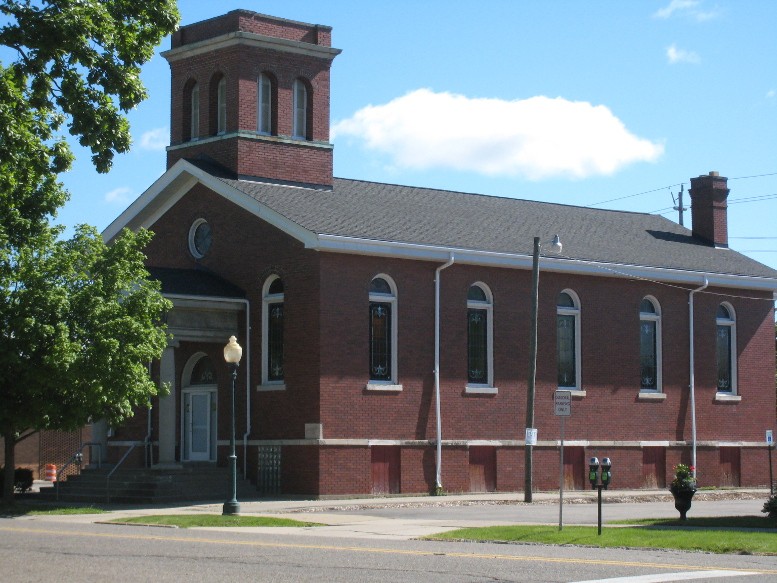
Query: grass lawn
x=194, y=520
x=35, y=509
x=715, y=535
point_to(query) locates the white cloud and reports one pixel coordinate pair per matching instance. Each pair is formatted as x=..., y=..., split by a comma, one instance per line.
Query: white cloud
x=675, y=55
x=690, y=8
x=156, y=139
x=771, y=94
x=121, y=195
x=538, y=138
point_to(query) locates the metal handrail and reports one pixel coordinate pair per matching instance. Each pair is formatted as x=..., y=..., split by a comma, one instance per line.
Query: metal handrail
x=78, y=458
x=116, y=467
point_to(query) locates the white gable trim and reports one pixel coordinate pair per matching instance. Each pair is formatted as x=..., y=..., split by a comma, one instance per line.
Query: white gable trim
x=168, y=189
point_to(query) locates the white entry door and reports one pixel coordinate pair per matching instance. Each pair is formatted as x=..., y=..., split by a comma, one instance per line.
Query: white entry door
x=197, y=425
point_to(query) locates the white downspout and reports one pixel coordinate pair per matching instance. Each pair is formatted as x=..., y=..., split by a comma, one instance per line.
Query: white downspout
x=438, y=474
x=693, y=382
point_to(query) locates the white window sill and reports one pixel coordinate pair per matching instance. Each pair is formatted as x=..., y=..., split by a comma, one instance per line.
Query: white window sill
x=727, y=398
x=379, y=386
x=480, y=390
x=575, y=392
x=271, y=387
x=651, y=396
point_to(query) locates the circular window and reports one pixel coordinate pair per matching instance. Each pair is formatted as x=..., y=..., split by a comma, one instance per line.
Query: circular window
x=200, y=238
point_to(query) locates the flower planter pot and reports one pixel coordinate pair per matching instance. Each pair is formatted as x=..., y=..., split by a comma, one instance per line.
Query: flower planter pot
x=682, y=500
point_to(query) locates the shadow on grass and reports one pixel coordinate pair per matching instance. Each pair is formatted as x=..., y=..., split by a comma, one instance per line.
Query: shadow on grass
x=26, y=509
x=709, y=522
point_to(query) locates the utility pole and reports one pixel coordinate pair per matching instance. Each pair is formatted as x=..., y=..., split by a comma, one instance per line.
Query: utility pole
x=680, y=208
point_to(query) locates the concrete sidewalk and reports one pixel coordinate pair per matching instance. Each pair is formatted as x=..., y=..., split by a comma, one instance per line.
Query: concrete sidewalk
x=406, y=517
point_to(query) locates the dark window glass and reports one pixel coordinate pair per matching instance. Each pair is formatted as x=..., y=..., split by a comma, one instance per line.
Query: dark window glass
x=265, y=104
x=477, y=346
x=565, y=353
x=724, y=358
x=380, y=340
x=276, y=287
x=203, y=238
x=723, y=313
x=647, y=355
x=477, y=294
x=203, y=373
x=647, y=307
x=380, y=286
x=565, y=300
x=275, y=339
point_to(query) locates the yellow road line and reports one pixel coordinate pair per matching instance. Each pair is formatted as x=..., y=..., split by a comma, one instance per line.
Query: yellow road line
x=378, y=550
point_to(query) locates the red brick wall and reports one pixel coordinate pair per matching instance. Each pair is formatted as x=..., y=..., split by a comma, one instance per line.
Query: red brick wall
x=241, y=66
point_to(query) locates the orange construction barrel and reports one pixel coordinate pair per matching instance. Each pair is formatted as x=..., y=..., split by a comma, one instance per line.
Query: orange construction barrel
x=51, y=473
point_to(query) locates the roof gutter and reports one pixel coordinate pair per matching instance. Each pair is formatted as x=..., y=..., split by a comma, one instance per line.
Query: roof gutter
x=422, y=252
x=692, y=378
x=438, y=470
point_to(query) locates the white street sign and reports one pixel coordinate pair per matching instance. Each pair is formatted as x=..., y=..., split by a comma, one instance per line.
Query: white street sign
x=563, y=403
x=531, y=436
x=769, y=437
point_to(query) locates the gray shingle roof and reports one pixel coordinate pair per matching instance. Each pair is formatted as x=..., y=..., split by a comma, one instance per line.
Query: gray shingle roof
x=392, y=213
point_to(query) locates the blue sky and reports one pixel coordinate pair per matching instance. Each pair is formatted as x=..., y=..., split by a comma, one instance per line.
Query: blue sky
x=583, y=103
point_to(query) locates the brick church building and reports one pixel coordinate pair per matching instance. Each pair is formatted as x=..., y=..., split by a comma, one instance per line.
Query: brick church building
x=379, y=321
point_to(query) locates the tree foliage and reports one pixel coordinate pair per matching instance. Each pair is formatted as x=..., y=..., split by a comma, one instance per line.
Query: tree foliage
x=80, y=319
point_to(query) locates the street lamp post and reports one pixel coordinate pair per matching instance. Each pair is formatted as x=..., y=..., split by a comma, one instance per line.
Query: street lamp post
x=232, y=354
x=555, y=246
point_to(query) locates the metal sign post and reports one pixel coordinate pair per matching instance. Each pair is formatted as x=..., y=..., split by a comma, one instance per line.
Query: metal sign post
x=769, y=447
x=563, y=409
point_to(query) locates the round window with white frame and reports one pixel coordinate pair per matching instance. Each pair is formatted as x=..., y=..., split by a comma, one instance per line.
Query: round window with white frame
x=200, y=238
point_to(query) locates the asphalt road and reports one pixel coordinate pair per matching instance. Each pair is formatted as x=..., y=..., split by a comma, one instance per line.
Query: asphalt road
x=363, y=545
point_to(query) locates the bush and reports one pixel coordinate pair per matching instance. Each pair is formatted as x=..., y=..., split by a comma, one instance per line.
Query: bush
x=770, y=507
x=22, y=479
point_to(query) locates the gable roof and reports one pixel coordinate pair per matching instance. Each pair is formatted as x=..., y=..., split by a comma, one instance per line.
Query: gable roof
x=384, y=219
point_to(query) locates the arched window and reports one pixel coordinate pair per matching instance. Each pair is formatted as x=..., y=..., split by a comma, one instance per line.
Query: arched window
x=272, y=331
x=568, y=340
x=480, y=335
x=194, y=107
x=383, y=330
x=726, y=349
x=221, y=106
x=265, y=110
x=301, y=110
x=650, y=345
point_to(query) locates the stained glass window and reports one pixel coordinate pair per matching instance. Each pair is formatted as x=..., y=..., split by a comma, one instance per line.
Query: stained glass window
x=725, y=354
x=649, y=326
x=567, y=351
x=273, y=312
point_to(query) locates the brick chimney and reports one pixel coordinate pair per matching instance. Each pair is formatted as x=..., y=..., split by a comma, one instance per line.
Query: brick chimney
x=251, y=93
x=709, y=209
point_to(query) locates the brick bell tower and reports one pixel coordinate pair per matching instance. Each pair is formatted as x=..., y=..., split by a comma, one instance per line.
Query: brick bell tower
x=251, y=93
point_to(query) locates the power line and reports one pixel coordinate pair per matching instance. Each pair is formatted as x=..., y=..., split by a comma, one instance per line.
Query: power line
x=633, y=195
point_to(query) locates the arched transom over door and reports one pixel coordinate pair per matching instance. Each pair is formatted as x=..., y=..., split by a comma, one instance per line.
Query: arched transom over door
x=199, y=410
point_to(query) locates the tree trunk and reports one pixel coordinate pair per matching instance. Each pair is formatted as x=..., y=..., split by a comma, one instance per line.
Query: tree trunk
x=10, y=466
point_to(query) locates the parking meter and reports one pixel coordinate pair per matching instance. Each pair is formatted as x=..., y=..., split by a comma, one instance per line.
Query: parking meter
x=606, y=473
x=593, y=471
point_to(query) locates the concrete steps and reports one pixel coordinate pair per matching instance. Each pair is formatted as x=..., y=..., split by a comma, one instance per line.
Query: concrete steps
x=150, y=486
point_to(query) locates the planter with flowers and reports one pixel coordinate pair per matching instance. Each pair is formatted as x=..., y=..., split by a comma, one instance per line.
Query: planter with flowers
x=683, y=487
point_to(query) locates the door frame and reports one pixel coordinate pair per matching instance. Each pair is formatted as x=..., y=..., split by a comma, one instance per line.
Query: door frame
x=187, y=392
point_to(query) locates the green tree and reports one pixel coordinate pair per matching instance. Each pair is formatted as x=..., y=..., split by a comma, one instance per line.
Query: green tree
x=80, y=320
x=80, y=323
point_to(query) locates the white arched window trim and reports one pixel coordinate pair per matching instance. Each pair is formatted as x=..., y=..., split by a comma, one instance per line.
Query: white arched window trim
x=730, y=324
x=268, y=300
x=645, y=317
x=488, y=307
x=391, y=384
x=577, y=389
